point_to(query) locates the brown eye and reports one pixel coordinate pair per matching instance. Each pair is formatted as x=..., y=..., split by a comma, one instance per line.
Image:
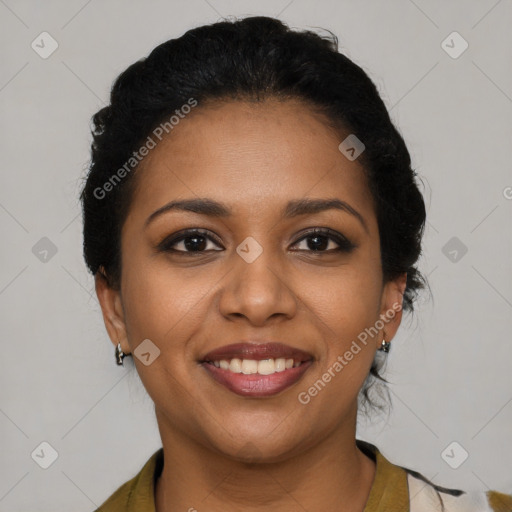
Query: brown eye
x=189, y=242
x=321, y=240
x=195, y=241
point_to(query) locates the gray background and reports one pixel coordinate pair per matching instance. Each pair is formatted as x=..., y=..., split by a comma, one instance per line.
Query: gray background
x=450, y=364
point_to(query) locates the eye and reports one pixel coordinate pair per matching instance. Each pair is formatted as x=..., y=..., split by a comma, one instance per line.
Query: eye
x=318, y=241
x=194, y=241
x=188, y=242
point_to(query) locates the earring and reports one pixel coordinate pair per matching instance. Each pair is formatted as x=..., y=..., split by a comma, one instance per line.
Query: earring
x=385, y=346
x=119, y=355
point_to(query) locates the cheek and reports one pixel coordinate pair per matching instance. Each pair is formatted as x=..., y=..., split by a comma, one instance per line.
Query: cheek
x=349, y=318
x=160, y=302
x=347, y=305
x=348, y=298
x=348, y=351
x=162, y=306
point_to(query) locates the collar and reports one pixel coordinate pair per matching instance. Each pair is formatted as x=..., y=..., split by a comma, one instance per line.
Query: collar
x=389, y=491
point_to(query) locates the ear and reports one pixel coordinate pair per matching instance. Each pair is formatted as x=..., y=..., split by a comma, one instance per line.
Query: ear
x=391, y=306
x=112, y=309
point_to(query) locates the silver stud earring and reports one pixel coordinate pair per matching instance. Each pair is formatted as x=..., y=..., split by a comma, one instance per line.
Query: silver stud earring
x=119, y=355
x=384, y=346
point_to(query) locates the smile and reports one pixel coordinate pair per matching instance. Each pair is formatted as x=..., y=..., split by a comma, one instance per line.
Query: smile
x=252, y=378
x=253, y=369
x=250, y=366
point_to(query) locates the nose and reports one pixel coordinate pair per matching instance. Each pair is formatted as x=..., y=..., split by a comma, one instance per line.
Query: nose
x=258, y=291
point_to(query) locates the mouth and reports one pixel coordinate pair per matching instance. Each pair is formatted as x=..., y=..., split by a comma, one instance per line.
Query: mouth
x=256, y=370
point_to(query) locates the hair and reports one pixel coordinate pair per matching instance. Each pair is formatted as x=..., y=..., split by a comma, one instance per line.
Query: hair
x=252, y=59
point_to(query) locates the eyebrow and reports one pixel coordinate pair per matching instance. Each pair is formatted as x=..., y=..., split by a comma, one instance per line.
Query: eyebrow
x=294, y=208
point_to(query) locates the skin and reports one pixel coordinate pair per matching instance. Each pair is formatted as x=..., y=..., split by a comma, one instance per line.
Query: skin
x=225, y=452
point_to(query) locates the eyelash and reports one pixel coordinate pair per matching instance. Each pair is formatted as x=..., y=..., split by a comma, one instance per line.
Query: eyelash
x=344, y=244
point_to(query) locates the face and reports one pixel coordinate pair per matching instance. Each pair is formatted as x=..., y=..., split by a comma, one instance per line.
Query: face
x=254, y=274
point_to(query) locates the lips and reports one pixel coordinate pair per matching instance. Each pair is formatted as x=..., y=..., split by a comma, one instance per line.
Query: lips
x=257, y=386
x=257, y=369
x=257, y=352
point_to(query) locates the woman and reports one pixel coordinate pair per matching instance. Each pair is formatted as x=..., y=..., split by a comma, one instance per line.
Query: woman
x=253, y=224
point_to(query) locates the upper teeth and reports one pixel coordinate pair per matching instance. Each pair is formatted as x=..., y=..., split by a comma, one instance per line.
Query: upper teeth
x=263, y=367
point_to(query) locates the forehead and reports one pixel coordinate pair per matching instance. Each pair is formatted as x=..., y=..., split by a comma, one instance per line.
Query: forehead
x=253, y=156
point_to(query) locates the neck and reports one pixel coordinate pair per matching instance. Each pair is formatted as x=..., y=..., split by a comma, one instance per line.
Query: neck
x=332, y=475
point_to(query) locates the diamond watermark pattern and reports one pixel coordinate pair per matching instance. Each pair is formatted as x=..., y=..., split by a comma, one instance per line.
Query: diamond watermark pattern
x=249, y=249
x=454, y=249
x=351, y=147
x=44, y=250
x=146, y=352
x=44, y=45
x=454, y=455
x=249, y=453
x=454, y=45
x=44, y=455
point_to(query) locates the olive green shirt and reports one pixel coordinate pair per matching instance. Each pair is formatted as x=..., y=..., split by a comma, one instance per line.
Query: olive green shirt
x=394, y=489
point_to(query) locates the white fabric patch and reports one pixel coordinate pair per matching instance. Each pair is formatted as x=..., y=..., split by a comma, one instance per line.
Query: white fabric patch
x=424, y=498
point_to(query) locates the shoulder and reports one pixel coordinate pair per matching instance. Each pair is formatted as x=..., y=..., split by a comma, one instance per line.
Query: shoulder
x=402, y=489
x=137, y=494
x=427, y=496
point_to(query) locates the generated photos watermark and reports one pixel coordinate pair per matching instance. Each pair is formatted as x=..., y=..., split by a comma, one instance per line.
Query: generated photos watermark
x=137, y=156
x=304, y=397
